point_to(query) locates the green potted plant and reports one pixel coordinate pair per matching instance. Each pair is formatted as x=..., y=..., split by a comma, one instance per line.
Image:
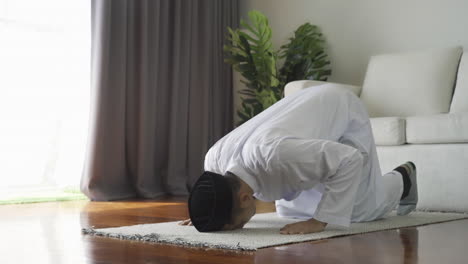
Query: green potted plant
x=251, y=53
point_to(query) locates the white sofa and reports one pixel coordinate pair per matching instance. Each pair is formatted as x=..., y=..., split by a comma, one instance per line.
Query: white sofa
x=418, y=104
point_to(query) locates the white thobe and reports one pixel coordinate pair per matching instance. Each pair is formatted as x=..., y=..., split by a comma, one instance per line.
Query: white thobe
x=314, y=154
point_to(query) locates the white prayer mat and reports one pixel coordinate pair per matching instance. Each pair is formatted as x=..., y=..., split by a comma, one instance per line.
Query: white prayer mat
x=262, y=231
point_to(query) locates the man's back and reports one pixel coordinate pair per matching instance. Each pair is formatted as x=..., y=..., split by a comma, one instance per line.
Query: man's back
x=324, y=112
x=320, y=114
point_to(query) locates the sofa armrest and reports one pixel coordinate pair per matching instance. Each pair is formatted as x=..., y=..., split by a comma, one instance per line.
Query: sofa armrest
x=295, y=86
x=388, y=131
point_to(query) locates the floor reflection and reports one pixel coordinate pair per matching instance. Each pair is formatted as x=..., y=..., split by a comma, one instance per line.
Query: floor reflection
x=51, y=233
x=122, y=213
x=41, y=233
x=410, y=241
x=393, y=246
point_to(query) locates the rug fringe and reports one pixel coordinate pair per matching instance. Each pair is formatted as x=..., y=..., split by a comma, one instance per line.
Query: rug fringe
x=155, y=238
x=426, y=210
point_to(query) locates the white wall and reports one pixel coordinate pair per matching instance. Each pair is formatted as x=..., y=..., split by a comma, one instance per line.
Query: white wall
x=358, y=29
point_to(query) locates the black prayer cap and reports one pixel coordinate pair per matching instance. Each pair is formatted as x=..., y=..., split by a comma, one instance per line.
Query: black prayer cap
x=210, y=202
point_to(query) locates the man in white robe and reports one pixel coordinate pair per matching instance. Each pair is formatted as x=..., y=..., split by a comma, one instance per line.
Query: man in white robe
x=314, y=154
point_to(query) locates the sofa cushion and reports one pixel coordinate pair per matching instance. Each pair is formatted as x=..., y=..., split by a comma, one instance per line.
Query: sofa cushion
x=388, y=131
x=442, y=128
x=409, y=84
x=460, y=95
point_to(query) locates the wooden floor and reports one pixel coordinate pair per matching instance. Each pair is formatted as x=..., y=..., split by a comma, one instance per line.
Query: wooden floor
x=51, y=233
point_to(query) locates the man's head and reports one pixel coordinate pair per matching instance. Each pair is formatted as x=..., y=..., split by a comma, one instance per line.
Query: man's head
x=220, y=202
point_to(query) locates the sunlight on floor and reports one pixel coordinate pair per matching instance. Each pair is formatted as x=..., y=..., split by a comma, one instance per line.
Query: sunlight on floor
x=39, y=194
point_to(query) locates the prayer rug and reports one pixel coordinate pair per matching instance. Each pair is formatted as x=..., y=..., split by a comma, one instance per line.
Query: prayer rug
x=261, y=231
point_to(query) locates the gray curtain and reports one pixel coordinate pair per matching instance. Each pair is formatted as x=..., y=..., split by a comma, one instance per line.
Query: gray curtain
x=161, y=94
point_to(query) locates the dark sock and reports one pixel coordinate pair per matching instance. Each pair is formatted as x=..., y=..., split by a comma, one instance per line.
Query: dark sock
x=406, y=181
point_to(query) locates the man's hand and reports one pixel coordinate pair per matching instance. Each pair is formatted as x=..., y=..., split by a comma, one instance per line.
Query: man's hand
x=187, y=222
x=304, y=227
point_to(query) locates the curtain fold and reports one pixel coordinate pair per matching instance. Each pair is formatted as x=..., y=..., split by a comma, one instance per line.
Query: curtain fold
x=161, y=94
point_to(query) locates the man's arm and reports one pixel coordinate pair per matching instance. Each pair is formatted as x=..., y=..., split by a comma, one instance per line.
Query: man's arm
x=303, y=227
x=186, y=222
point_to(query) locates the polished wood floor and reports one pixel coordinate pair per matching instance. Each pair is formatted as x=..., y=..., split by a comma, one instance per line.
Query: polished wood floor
x=51, y=233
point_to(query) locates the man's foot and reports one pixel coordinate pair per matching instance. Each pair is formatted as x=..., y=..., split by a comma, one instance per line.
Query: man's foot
x=409, y=198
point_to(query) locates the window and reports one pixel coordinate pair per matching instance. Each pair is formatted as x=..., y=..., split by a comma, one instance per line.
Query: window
x=45, y=49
